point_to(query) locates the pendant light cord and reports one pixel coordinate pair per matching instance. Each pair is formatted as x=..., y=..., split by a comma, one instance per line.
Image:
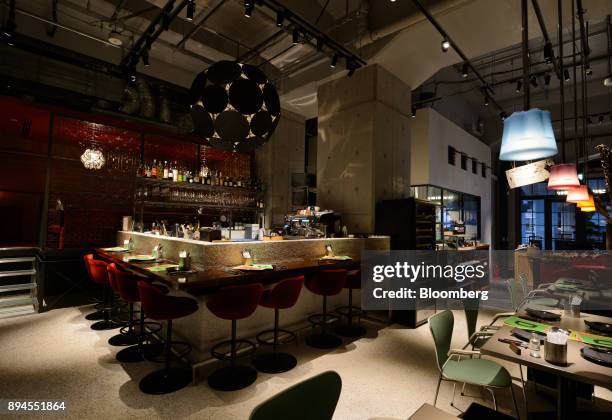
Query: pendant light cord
x=576, y=140
x=561, y=81
x=525, y=51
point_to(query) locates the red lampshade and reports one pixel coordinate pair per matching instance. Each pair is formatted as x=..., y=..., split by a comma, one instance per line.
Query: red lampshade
x=563, y=177
x=577, y=194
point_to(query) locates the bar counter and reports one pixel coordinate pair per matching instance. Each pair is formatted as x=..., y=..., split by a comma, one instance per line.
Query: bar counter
x=213, y=262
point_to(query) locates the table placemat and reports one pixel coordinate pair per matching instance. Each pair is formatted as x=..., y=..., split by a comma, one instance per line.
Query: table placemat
x=115, y=249
x=161, y=267
x=336, y=258
x=254, y=267
x=524, y=324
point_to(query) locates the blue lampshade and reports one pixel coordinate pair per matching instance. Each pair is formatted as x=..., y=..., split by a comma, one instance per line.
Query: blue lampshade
x=528, y=135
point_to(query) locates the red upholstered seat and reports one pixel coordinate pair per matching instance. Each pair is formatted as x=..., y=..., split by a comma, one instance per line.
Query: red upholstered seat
x=353, y=280
x=96, y=269
x=161, y=307
x=112, y=269
x=127, y=284
x=235, y=302
x=283, y=294
x=327, y=282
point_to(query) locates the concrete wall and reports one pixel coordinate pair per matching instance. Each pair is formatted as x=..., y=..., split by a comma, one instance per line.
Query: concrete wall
x=275, y=161
x=363, y=148
x=431, y=135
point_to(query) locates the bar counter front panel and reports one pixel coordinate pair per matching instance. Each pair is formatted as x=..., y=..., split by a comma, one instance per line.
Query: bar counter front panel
x=214, y=260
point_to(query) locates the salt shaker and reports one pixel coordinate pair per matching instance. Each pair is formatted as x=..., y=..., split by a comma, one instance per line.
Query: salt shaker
x=534, y=345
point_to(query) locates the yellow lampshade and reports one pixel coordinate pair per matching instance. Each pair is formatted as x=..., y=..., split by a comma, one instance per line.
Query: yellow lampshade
x=587, y=209
x=586, y=203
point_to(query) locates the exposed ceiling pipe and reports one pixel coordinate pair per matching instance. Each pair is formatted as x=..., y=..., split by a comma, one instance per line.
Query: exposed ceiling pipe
x=66, y=28
x=525, y=53
x=434, y=22
x=53, y=28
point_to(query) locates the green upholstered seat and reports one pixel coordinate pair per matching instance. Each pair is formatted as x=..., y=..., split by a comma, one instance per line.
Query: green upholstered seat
x=478, y=372
x=314, y=398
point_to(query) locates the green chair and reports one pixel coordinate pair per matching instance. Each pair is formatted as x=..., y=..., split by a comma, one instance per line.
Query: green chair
x=519, y=295
x=314, y=398
x=471, y=370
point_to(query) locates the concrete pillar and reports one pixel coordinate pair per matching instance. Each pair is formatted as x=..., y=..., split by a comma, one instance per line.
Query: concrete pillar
x=363, y=148
x=276, y=160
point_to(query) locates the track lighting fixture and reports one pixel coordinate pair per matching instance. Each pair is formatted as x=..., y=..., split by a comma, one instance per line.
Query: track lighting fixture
x=486, y=100
x=334, y=61
x=601, y=118
x=588, y=70
x=547, y=79
x=502, y=116
x=190, y=10
x=248, y=9
x=295, y=36
x=413, y=112
x=608, y=81
x=548, y=53
x=566, y=75
x=464, y=70
x=319, y=44
x=280, y=19
x=533, y=81
x=145, y=58
x=589, y=120
x=519, y=85
x=165, y=22
x=351, y=66
x=445, y=44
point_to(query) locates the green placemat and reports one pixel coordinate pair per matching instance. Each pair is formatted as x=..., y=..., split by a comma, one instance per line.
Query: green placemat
x=161, y=267
x=264, y=266
x=596, y=340
x=337, y=258
x=137, y=258
x=115, y=249
x=524, y=324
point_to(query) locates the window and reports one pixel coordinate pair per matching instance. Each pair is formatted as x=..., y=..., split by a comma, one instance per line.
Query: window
x=451, y=155
x=474, y=165
x=563, y=222
x=532, y=222
x=483, y=170
x=464, y=159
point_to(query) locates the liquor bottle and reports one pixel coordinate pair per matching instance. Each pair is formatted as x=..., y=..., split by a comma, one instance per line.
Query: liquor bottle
x=208, y=179
x=154, y=169
x=147, y=171
x=230, y=183
x=165, y=174
x=160, y=170
x=239, y=183
x=175, y=171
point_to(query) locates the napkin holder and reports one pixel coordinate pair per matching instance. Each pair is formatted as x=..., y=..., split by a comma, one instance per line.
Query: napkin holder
x=329, y=251
x=555, y=353
x=247, y=258
x=184, y=262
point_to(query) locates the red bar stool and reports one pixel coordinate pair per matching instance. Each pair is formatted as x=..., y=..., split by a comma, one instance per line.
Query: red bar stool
x=98, y=301
x=353, y=281
x=160, y=307
x=99, y=273
x=282, y=295
x=233, y=303
x=132, y=333
x=123, y=338
x=325, y=283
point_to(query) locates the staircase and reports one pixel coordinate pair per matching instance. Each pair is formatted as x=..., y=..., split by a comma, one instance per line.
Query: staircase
x=18, y=286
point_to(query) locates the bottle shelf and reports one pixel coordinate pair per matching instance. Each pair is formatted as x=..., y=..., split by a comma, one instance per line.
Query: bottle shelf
x=189, y=204
x=152, y=182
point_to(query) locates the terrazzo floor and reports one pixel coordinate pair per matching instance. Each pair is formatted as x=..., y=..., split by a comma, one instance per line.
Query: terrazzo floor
x=389, y=373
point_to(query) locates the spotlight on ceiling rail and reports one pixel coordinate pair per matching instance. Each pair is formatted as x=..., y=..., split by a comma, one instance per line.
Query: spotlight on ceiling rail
x=280, y=18
x=248, y=9
x=445, y=45
x=114, y=38
x=145, y=58
x=519, y=86
x=566, y=75
x=547, y=79
x=588, y=70
x=413, y=114
x=190, y=10
x=608, y=81
x=533, y=81
x=334, y=61
x=548, y=53
x=464, y=70
x=601, y=118
x=295, y=36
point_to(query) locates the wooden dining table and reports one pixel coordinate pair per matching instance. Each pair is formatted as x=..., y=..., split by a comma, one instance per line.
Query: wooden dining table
x=204, y=279
x=576, y=370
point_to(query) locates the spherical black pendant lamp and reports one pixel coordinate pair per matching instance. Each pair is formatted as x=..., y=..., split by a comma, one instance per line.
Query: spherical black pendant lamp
x=234, y=106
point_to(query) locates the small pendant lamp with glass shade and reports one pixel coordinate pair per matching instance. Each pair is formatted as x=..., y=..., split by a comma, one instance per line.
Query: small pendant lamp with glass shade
x=528, y=134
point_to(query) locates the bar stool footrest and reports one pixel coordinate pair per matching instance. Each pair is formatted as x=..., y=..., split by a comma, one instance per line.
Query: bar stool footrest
x=317, y=319
x=248, y=345
x=285, y=337
x=349, y=311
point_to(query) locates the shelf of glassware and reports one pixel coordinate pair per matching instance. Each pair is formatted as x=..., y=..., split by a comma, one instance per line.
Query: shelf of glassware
x=194, y=204
x=161, y=183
